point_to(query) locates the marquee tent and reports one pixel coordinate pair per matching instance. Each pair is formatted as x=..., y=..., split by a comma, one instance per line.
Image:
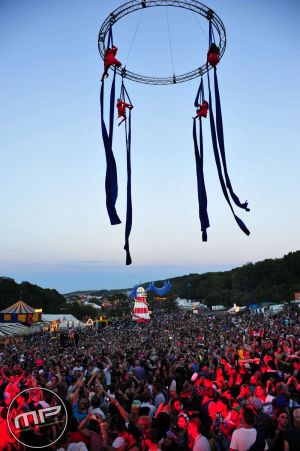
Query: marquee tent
x=63, y=321
x=20, y=312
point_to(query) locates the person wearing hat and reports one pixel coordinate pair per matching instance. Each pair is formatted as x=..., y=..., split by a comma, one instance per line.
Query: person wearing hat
x=197, y=388
x=262, y=421
x=255, y=403
x=235, y=415
x=194, y=376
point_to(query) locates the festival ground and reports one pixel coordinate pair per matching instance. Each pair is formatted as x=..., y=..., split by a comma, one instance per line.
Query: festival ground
x=180, y=382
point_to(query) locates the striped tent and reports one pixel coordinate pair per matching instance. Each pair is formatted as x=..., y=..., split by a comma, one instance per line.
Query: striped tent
x=20, y=312
x=19, y=307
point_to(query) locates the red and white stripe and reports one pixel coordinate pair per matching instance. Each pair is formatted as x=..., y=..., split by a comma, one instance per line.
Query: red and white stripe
x=140, y=312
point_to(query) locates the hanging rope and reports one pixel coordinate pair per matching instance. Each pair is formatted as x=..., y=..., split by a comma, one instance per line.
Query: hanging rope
x=134, y=36
x=170, y=41
x=199, y=24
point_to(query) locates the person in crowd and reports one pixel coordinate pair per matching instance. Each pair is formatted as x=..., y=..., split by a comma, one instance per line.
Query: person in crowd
x=277, y=442
x=247, y=437
x=197, y=441
x=151, y=440
x=292, y=438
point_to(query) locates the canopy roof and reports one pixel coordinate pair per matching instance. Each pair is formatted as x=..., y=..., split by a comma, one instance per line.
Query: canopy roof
x=59, y=317
x=17, y=329
x=19, y=307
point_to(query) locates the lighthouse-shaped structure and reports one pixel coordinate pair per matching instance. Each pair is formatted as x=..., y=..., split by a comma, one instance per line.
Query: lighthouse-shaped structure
x=140, y=313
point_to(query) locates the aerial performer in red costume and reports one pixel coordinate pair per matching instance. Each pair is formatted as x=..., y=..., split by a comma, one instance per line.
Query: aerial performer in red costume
x=202, y=111
x=110, y=60
x=121, y=106
x=213, y=53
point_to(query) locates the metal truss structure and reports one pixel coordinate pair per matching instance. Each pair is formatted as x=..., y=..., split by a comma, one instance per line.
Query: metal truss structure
x=192, y=5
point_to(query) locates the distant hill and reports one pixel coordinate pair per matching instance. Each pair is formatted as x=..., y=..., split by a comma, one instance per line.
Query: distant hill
x=49, y=300
x=272, y=280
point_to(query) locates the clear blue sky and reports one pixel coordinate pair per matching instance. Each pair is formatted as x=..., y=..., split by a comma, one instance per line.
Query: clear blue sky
x=54, y=227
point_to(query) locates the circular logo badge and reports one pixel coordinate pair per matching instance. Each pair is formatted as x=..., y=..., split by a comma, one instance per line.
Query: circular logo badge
x=33, y=413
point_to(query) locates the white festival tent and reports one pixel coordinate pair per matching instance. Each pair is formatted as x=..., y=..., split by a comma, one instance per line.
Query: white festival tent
x=65, y=321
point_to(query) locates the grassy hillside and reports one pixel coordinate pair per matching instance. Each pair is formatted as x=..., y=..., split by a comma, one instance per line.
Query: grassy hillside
x=269, y=280
x=49, y=300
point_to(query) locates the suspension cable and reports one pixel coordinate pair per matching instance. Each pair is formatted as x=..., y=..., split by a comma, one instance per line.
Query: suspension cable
x=134, y=36
x=199, y=24
x=170, y=42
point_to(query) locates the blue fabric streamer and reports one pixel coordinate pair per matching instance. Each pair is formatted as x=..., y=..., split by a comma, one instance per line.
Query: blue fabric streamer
x=129, y=198
x=218, y=161
x=199, y=95
x=220, y=134
x=202, y=197
x=124, y=96
x=112, y=108
x=111, y=180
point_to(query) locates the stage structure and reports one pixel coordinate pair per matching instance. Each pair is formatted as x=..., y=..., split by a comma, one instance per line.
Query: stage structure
x=206, y=104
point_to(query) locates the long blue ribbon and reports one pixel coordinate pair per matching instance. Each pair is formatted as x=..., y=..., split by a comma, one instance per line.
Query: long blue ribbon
x=111, y=178
x=220, y=134
x=218, y=161
x=202, y=197
x=128, y=225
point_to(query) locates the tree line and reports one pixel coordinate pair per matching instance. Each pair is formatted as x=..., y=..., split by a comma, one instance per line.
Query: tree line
x=271, y=280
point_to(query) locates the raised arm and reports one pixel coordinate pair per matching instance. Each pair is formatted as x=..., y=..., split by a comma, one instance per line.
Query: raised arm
x=122, y=411
x=74, y=396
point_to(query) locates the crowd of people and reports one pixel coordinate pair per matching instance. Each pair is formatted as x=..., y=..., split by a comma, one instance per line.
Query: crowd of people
x=180, y=382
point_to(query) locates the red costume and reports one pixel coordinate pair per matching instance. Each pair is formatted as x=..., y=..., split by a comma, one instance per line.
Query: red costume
x=213, y=55
x=202, y=111
x=121, y=106
x=110, y=60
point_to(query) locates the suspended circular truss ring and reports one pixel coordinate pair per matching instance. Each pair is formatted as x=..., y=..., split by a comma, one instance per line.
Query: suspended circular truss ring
x=192, y=5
